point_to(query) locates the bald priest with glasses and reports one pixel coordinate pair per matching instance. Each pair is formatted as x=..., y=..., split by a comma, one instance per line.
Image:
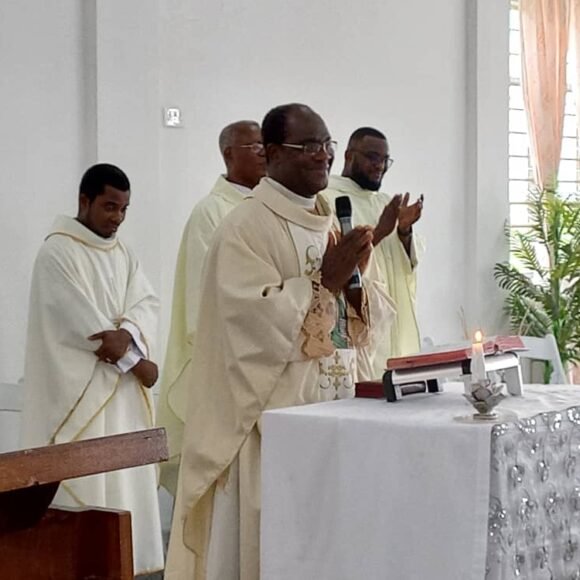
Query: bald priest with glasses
x=366, y=160
x=242, y=150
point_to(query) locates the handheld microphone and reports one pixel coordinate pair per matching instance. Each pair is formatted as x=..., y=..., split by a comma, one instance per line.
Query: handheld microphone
x=344, y=215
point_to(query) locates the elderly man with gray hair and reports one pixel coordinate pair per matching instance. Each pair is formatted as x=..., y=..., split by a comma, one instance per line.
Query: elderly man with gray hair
x=242, y=149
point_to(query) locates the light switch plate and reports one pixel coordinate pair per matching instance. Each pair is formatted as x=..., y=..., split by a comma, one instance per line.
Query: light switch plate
x=172, y=117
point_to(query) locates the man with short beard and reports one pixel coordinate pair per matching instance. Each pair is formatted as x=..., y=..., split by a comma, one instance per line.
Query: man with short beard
x=367, y=159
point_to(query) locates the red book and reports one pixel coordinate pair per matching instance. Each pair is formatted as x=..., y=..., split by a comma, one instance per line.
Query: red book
x=370, y=390
x=452, y=354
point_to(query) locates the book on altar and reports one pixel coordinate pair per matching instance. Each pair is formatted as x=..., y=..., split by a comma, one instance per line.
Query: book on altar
x=438, y=355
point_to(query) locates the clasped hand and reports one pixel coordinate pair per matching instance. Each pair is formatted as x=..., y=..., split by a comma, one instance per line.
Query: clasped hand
x=146, y=372
x=343, y=256
x=114, y=345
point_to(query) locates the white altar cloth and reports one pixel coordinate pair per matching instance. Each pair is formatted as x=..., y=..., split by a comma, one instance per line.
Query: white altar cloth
x=367, y=490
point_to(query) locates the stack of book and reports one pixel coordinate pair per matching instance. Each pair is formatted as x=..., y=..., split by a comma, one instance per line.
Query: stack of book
x=439, y=355
x=455, y=353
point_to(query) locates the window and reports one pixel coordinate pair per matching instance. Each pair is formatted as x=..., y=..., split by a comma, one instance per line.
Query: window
x=520, y=171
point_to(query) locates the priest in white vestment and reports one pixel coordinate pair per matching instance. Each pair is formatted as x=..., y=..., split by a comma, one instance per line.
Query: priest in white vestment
x=367, y=159
x=92, y=323
x=242, y=149
x=274, y=306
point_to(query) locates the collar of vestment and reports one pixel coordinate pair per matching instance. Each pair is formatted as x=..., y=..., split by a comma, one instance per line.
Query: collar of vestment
x=68, y=226
x=228, y=191
x=243, y=189
x=268, y=192
x=348, y=185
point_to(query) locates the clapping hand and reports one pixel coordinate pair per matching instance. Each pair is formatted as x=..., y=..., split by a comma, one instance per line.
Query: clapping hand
x=388, y=219
x=409, y=214
x=341, y=258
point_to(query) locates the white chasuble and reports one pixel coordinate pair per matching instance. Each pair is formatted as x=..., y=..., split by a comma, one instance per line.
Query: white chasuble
x=83, y=284
x=265, y=325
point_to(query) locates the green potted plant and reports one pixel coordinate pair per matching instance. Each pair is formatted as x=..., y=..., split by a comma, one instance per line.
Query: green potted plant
x=542, y=278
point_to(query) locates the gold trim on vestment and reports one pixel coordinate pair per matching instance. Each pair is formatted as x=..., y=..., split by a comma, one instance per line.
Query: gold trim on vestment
x=88, y=423
x=143, y=337
x=73, y=408
x=84, y=242
x=170, y=389
x=148, y=353
x=75, y=497
x=143, y=390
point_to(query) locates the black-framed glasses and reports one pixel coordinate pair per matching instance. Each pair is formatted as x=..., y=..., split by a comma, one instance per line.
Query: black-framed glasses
x=377, y=158
x=256, y=148
x=313, y=147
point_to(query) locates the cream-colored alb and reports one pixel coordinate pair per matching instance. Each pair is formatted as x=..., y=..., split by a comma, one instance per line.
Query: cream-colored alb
x=176, y=377
x=263, y=326
x=83, y=284
x=396, y=269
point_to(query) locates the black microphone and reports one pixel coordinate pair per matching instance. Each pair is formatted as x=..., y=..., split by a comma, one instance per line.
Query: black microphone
x=344, y=215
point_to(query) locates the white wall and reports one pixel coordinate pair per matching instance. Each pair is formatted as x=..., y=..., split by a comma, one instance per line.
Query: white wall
x=42, y=149
x=487, y=207
x=93, y=75
x=398, y=66
x=128, y=116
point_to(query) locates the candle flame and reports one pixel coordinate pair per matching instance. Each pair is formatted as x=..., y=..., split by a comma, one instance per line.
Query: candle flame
x=478, y=337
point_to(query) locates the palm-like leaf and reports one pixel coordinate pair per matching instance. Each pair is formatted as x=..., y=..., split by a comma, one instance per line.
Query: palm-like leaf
x=515, y=282
x=528, y=315
x=543, y=280
x=524, y=251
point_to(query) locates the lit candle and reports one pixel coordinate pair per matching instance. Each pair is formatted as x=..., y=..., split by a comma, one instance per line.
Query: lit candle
x=478, y=358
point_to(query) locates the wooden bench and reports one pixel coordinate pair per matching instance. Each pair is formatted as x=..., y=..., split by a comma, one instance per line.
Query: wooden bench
x=42, y=543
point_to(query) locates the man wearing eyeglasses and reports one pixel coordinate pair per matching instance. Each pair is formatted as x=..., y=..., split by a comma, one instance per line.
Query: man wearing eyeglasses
x=367, y=159
x=272, y=282
x=242, y=149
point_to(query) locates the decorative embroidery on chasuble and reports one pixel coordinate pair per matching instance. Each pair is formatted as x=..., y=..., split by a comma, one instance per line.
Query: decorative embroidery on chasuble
x=325, y=326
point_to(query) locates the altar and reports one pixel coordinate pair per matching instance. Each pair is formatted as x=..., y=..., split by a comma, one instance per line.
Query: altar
x=362, y=489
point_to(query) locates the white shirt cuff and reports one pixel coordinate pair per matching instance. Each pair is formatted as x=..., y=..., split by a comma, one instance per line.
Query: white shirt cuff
x=134, y=331
x=131, y=358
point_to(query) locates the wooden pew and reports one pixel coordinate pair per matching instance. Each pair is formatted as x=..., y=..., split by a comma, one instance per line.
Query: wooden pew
x=42, y=543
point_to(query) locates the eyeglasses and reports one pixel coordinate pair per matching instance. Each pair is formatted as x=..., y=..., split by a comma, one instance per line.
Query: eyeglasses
x=256, y=148
x=313, y=147
x=376, y=158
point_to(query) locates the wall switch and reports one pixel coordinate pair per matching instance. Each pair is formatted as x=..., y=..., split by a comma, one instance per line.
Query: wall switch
x=172, y=117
